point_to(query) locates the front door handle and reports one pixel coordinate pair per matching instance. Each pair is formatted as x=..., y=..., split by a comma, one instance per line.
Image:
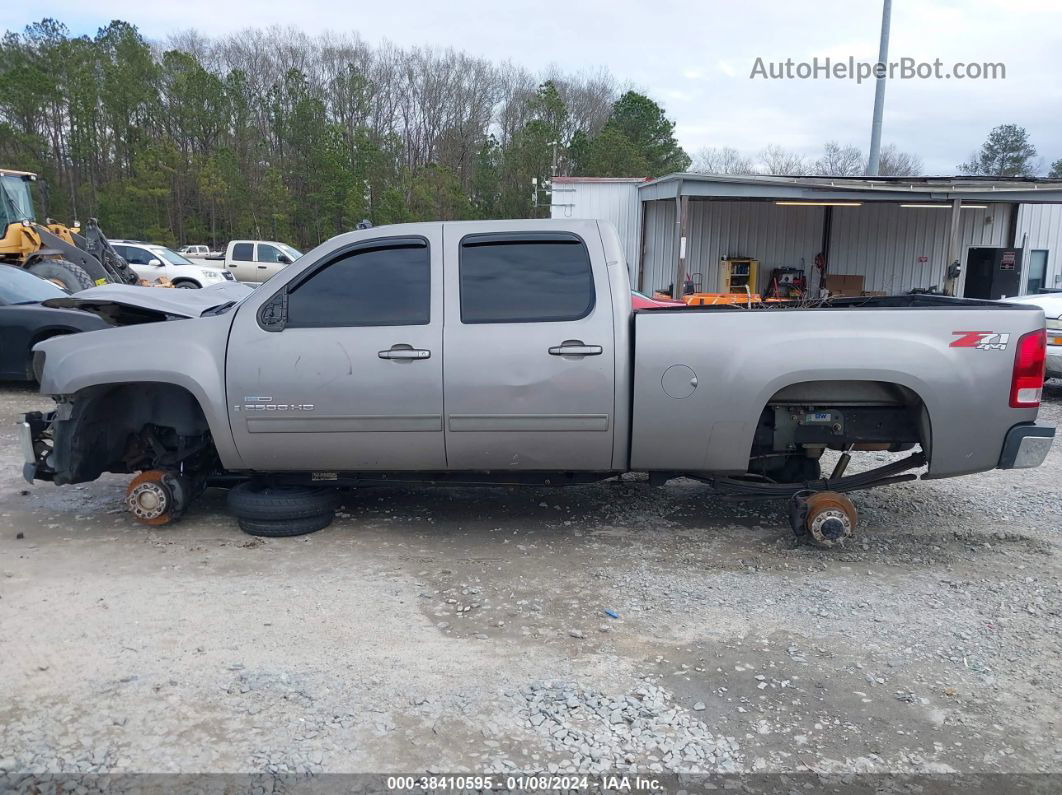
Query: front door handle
x=575, y=348
x=405, y=352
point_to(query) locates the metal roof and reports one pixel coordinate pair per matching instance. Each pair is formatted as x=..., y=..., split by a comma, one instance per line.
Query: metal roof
x=1025, y=190
x=570, y=180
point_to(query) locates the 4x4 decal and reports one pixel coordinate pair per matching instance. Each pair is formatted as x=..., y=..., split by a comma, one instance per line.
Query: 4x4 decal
x=981, y=340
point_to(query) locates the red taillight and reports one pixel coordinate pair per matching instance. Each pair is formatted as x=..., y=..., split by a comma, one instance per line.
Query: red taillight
x=1030, y=359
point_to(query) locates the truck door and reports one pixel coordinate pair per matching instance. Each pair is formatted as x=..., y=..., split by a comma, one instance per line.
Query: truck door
x=268, y=261
x=529, y=376
x=340, y=368
x=240, y=262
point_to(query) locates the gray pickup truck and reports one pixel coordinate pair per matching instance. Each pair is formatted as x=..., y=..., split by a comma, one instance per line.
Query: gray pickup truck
x=507, y=351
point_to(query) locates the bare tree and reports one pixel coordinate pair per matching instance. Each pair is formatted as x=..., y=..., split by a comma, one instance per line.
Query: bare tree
x=840, y=161
x=588, y=97
x=517, y=87
x=777, y=160
x=895, y=163
x=722, y=160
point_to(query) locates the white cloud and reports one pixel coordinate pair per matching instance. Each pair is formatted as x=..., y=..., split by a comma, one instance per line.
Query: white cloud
x=727, y=68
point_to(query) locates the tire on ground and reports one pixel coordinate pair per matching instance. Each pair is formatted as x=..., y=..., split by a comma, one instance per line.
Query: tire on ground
x=72, y=277
x=261, y=502
x=185, y=284
x=282, y=528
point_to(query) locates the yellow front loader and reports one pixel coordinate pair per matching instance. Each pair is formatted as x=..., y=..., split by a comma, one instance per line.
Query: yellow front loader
x=70, y=257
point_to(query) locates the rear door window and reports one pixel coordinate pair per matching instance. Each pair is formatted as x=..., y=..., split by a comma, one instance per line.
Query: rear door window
x=243, y=252
x=530, y=278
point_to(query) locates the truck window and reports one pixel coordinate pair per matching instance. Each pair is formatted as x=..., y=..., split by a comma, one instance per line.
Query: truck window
x=243, y=252
x=529, y=278
x=268, y=253
x=136, y=256
x=382, y=285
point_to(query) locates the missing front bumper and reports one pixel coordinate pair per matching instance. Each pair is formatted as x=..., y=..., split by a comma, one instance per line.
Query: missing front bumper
x=36, y=446
x=1026, y=446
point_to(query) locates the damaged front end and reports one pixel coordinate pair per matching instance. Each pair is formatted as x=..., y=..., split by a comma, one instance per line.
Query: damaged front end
x=119, y=428
x=35, y=439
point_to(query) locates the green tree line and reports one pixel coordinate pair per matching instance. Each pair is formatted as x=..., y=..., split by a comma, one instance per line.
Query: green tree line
x=276, y=134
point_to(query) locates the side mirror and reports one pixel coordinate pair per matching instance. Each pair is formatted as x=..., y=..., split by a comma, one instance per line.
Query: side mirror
x=283, y=259
x=154, y=261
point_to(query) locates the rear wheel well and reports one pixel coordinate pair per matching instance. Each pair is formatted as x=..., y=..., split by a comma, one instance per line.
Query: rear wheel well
x=803, y=419
x=128, y=428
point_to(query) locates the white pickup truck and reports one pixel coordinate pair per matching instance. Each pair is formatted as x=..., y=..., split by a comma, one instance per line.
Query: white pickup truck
x=254, y=260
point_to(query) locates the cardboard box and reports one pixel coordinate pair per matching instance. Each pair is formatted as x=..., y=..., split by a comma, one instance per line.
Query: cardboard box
x=844, y=284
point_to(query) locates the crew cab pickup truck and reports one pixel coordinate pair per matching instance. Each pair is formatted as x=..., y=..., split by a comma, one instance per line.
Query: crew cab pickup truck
x=508, y=351
x=253, y=260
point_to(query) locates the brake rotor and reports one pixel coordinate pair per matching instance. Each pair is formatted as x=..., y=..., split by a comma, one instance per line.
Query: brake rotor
x=831, y=518
x=155, y=497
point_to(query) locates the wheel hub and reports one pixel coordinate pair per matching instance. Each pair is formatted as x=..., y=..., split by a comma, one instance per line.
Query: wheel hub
x=157, y=497
x=830, y=518
x=148, y=501
x=830, y=525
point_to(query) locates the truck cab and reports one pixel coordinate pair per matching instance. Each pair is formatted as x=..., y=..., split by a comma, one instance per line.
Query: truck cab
x=258, y=260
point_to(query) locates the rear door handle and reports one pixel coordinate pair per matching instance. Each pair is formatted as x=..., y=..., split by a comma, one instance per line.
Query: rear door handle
x=575, y=348
x=405, y=353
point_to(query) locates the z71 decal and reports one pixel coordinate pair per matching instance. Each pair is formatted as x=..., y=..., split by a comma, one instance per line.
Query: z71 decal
x=981, y=340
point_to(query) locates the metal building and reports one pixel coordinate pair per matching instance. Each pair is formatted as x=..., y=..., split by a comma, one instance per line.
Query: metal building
x=604, y=199
x=897, y=233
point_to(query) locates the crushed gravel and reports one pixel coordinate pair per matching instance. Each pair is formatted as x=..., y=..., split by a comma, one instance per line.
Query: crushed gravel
x=609, y=627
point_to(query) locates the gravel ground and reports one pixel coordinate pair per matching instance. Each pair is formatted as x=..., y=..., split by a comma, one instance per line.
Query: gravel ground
x=612, y=627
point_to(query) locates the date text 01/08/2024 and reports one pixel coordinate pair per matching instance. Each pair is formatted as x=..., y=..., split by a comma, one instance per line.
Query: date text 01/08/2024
x=543, y=783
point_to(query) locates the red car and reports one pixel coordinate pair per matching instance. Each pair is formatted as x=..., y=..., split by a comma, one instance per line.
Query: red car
x=642, y=301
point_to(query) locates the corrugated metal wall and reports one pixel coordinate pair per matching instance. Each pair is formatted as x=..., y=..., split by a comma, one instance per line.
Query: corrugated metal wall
x=616, y=202
x=1040, y=226
x=883, y=242
x=659, y=263
x=776, y=236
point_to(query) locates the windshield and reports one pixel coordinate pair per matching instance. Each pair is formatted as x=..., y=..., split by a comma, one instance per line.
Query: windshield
x=294, y=253
x=15, y=201
x=169, y=255
x=21, y=287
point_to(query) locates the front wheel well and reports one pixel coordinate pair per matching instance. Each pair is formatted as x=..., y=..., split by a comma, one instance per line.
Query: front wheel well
x=128, y=428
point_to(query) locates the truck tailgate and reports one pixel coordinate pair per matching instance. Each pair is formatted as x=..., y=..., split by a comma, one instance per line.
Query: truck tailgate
x=702, y=377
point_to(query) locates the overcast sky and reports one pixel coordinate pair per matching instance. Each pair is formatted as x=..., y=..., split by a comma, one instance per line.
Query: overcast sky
x=695, y=58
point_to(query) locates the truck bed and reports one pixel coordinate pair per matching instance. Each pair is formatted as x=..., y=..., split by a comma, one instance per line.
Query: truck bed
x=704, y=375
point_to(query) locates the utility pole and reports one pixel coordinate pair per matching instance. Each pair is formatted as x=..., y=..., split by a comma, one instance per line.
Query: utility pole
x=879, y=91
